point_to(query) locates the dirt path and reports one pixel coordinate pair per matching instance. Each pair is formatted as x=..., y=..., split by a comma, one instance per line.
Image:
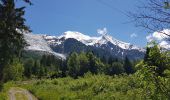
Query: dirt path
x=20, y=94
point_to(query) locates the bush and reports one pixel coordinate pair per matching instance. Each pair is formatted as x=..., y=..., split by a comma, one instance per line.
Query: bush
x=13, y=71
x=90, y=87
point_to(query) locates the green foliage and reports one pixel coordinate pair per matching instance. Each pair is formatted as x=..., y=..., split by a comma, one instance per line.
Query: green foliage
x=12, y=24
x=13, y=71
x=89, y=87
x=154, y=57
x=116, y=68
x=48, y=66
x=5, y=90
x=73, y=65
x=153, y=74
x=28, y=66
x=79, y=64
x=154, y=86
x=84, y=63
x=129, y=69
x=36, y=67
x=52, y=66
x=92, y=62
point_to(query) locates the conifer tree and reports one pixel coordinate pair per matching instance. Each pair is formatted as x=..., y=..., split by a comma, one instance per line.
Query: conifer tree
x=84, y=63
x=36, y=68
x=116, y=68
x=154, y=57
x=28, y=66
x=73, y=65
x=128, y=66
x=92, y=62
x=12, y=25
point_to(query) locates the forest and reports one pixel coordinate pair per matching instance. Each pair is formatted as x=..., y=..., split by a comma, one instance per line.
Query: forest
x=82, y=76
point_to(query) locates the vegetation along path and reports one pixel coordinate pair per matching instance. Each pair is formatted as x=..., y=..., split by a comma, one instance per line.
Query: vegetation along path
x=20, y=94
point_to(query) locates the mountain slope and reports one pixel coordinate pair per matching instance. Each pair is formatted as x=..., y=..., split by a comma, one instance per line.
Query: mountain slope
x=70, y=41
x=89, y=41
x=103, y=46
x=37, y=43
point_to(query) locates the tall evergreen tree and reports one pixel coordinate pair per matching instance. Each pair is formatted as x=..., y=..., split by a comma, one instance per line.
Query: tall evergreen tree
x=84, y=63
x=28, y=66
x=73, y=65
x=147, y=54
x=36, y=68
x=154, y=57
x=92, y=62
x=12, y=25
x=128, y=66
x=116, y=68
x=43, y=60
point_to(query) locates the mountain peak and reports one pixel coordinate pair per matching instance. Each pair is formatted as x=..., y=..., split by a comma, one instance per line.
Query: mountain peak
x=75, y=35
x=63, y=45
x=91, y=41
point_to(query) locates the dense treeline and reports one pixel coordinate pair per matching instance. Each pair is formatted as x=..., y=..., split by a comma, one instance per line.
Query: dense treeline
x=48, y=66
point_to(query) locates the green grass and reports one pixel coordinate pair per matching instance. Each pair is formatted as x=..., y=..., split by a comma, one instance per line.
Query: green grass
x=4, y=92
x=90, y=87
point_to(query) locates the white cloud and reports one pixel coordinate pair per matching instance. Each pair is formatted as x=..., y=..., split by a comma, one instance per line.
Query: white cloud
x=159, y=36
x=150, y=38
x=102, y=31
x=162, y=39
x=133, y=35
x=165, y=44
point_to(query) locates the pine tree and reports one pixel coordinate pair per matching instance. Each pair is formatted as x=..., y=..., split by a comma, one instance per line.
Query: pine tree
x=116, y=68
x=110, y=60
x=154, y=57
x=11, y=28
x=41, y=72
x=147, y=54
x=84, y=63
x=73, y=65
x=43, y=60
x=28, y=66
x=128, y=66
x=92, y=62
x=151, y=73
x=36, y=68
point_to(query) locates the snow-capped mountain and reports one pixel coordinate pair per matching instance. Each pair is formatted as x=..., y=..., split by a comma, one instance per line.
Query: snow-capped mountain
x=71, y=41
x=103, y=46
x=36, y=42
x=89, y=41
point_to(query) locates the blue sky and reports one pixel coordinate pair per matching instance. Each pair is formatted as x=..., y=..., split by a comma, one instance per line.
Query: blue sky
x=54, y=17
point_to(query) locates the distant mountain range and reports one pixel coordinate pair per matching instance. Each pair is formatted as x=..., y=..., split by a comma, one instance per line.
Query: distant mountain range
x=70, y=41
